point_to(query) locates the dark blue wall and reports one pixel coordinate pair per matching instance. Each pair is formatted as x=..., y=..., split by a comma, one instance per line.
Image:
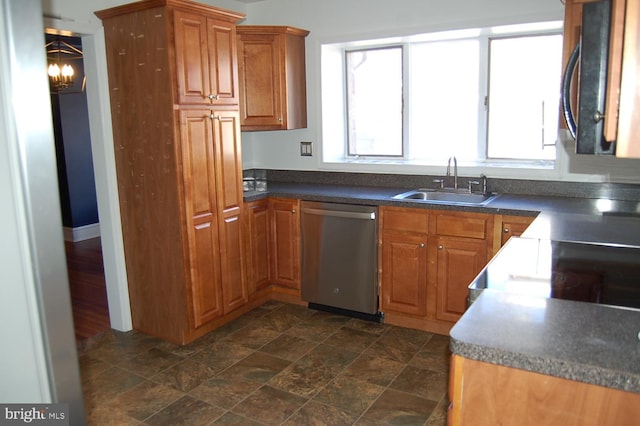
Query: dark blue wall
x=73, y=148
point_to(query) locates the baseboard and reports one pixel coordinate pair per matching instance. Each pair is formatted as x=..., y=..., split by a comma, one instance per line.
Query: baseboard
x=81, y=233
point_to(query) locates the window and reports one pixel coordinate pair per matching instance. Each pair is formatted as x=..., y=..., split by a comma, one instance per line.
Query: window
x=523, y=97
x=485, y=96
x=374, y=75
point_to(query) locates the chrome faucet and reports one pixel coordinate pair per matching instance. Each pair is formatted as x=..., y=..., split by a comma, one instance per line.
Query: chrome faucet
x=455, y=171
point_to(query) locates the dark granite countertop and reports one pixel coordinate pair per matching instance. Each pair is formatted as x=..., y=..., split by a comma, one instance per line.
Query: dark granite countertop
x=574, y=340
x=579, y=341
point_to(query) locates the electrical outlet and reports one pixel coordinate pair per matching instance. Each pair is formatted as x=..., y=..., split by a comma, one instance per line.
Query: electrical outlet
x=306, y=149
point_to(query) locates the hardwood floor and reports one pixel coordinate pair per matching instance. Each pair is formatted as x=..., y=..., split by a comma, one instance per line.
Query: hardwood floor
x=87, y=287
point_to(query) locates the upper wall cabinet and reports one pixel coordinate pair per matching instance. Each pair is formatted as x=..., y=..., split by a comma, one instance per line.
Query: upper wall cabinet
x=271, y=67
x=206, y=70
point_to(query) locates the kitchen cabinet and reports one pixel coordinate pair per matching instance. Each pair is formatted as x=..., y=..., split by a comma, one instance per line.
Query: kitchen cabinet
x=258, y=250
x=487, y=394
x=403, y=278
x=178, y=164
x=206, y=64
x=509, y=226
x=459, y=261
x=428, y=260
x=285, y=243
x=272, y=77
x=463, y=241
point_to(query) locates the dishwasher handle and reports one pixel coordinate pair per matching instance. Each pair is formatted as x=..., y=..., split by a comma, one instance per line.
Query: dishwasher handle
x=340, y=213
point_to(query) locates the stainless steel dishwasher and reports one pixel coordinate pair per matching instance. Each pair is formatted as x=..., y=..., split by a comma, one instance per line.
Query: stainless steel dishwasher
x=340, y=258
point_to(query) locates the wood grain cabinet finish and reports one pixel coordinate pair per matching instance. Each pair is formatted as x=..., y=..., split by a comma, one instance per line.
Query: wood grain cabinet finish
x=483, y=394
x=403, y=277
x=178, y=163
x=463, y=243
x=206, y=65
x=285, y=243
x=428, y=260
x=258, y=247
x=510, y=226
x=272, y=77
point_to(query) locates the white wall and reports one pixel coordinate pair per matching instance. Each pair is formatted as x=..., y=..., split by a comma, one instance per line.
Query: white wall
x=344, y=20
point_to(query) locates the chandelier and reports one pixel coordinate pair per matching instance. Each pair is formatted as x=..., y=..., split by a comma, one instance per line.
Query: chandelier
x=61, y=73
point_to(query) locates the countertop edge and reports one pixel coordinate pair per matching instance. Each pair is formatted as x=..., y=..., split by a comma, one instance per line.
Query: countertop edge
x=560, y=368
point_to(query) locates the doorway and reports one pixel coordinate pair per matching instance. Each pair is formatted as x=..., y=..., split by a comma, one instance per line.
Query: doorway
x=76, y=184
x=104, y=166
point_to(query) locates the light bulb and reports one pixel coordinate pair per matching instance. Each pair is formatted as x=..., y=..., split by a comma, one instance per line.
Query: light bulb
x=53, y=70
x=67, y=71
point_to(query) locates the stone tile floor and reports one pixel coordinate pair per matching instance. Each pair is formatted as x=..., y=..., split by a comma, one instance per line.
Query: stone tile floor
x=279, y=364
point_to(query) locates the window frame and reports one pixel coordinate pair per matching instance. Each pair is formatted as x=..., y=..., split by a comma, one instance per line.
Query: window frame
x=484, y=36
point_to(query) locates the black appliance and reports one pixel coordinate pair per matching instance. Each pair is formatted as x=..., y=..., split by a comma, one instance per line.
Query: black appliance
x=591, y=57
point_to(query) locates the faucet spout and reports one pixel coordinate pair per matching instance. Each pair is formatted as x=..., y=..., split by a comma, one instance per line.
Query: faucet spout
x=455, y=171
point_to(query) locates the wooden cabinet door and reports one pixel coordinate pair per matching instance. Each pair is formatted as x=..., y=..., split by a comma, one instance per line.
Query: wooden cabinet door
x=459, y=261
x=403, y=260
x=258, y=239
x=404, y=273
x=228, y=158
x=513, y=226
x=260, y=69
x=223, y=69
x=285, y=243
x=206, y=66
x=199, y=180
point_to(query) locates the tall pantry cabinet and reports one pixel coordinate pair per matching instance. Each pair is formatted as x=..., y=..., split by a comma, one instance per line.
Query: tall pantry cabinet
x=173, y=84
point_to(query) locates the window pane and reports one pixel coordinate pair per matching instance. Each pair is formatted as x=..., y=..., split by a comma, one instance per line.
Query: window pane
x=374, y=96
x=524, y=93
x=444, y=99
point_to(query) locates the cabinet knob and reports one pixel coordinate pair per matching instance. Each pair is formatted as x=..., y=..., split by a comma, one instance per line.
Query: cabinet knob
x=215, y=117
x=293, y=211
x=212, y=96
x=440, y=247
x=421, y=245
x=280, y=119
x=506, y=230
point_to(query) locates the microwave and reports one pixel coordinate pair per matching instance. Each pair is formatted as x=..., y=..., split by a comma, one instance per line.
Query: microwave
x=587, y=67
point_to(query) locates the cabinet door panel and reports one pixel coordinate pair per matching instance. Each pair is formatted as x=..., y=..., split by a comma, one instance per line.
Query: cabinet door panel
x=258, y=250
x=459, y=261
x=192, y=59
x=199, y=197
x=404, y=273
x=223, y=78
x=261, y=91
x=229, y=159
x=285, y=243
x=234, y=288
x=226, y=129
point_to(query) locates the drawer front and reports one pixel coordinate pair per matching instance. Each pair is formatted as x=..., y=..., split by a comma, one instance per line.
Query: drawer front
x=462, y=226
x=405, y=220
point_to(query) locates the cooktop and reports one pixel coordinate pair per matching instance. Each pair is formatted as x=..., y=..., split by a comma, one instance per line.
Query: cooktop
x=593, y=273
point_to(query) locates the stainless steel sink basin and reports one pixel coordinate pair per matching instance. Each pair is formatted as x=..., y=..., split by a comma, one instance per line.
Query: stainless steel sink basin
x=445, y=196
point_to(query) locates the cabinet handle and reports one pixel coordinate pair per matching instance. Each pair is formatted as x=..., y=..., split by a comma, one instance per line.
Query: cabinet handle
x=293, y=211
x=280, y=119
x=212, y=96
x=506, y=230
x=421, y=245
x=215, y=117
x=440, y=247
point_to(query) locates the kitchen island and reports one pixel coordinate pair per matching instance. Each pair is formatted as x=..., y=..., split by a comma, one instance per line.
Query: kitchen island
x=560, y=361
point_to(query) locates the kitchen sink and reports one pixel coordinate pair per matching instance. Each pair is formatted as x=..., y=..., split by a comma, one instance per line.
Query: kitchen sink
x=445, y=196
